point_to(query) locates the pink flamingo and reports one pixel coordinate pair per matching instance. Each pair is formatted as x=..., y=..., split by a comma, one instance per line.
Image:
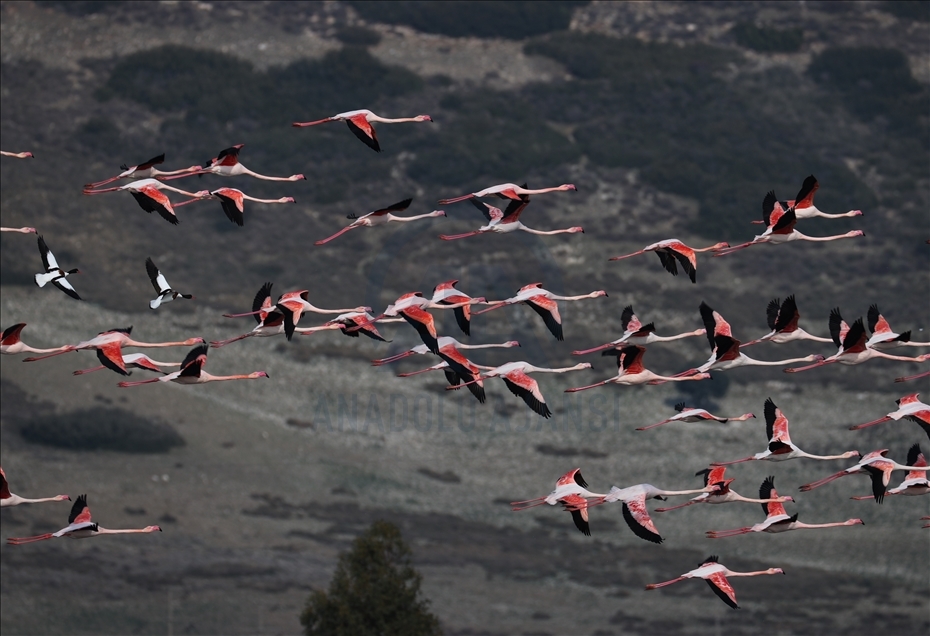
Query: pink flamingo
x=780, y=447
x=571, y=490
x=347, y=321
x=80, y=526
x=543, y=302
x=716, y=576
x=134, y=361
x=9, y=499
x=53, y=273
x=507, y=191
x=780, y=228
x=636, y=333
x=145, y=170
x=803, y=204
x=776, y=519
x=635, y=513
x=506, y=221
x=671, y=249
x=909, y=407
x=270, y=320
x=192, y=371
x=11, y=343
x=915, y=482
x=359, y=122
x=783, y=321
x=226, y=164
x=714, y=476
x=380, y=217
x=443, y=341
x=877, y=466
x=458, y=370
x=686, y=414
x=631, y=371
x=147, y=193
x=233, y=202
x=882, y=335
x=20, y=230
x=446, y=294
x=17, y=155
x=293, y=304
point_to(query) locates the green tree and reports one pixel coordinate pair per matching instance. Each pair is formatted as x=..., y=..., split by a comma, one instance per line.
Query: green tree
x=373, y=591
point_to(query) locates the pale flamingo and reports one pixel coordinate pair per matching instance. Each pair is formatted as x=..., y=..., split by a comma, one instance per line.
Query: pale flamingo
x=270, y=320
x=913, y=377
x=380, y=217
x=458, y=370
x=882, y=335
x=571, y=490
x=909, y=407
x=347, y=321
x=776, y=519
x=80, y=526
x=688, y=414
x=145, y=170
x=780, y=228
x=9, y=499
x=446, y=294
x=780, y=447
x=20, y=230
x=17, y=155
x=630, y=371
x=233, y=202
x=877, y=466
x=359, y=122
x=714, y=476
x=543, y=302
x=507, y=191
x=507, y=221
x=782, y=317
x=192, y=371
x=635, y=513
x=53, y=273
x=109, y=344
x=671, y=249
x=915, y=482
x=851, y=341
x=162, y=288
x=226, y=164
x=443, y=341
x=516, y=376
x=716, y=576
x=134, y=361
x=293, y=304
x=636, y=333
x=11, y=343
x=148, y=194
x=803, y=204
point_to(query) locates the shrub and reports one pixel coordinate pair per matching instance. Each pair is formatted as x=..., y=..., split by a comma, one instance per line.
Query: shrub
x=358, y=36
x=767, y=39
x=100, y=428
x=916, y=10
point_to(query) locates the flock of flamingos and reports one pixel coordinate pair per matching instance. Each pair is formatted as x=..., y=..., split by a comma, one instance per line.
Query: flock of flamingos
x=856, y=343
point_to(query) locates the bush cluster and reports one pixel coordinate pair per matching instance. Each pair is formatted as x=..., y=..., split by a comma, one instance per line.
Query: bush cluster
x=101, y=428
x=767, y=39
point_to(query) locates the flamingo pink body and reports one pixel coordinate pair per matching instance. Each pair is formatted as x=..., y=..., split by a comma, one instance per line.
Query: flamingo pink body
x=716, y=576
x=671, y=250
x=80, y=526
x=359, y=122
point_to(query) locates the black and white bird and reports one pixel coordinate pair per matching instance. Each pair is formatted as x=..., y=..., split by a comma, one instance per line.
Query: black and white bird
x=162, y=288
x=53, y=273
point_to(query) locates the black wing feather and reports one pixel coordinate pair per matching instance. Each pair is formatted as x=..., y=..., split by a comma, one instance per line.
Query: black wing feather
x=112, y=366
x=912, y=454
x=371, y=142
x=707, y=316
x=79, y=504
x=686, y=265
x=637, y=529
x=878, y=483
x=770, y=416
x=580, y=523
x=539, y=407
x=836, y=320
x=554, y=327
x=721, y=594
x=231, y=210
x=668, y=262
x=263, y=293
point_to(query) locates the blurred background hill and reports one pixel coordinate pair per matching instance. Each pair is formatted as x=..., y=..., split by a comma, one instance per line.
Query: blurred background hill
x=673, y=119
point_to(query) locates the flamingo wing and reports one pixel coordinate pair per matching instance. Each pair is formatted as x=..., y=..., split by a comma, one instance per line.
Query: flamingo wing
x=771, y=313
x=194, y=361
x=151, y=163
x=578, y=506
x=111, y=356
x=687, y=258
x=258, y=303
x=512, y=213
x=788, y=316
x=489, y=211
x=722, y=588
x=548, y=309
x=423, y=322
x=776, y=424
x=80, y=513
x=11, y=334
x=805, y=196
x=362, y=128
x=854, y=340
x=527, y=388
x=877, y=322
x=768, y=206
x=226, y=157
x=668, y=261
x=233, y=204
x=714, y=324
x=4, y=486
x=838, y=327
x=767, y=491
x=727, y=348
x=880, y=478
x=629, y=321
x=400, y=206
x=630, y=359
x=152, y=199
x=637, y=517
x=784, y=222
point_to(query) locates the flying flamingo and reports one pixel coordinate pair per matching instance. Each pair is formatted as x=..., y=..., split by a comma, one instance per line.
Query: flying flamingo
x=109, y=344
x=135, y=361
x=631, y=371
x=359, y=122
x=233, y=202
x=671, y=249
x=543, y=302
x=716, y=576
x=635, y=513
x=145, y=170
x=803, y=204
x=380, y=217
x=714, y=476
x=876, y=466
x=9, y=499
x=571, y=490
x=345, y=322
x=915, y=483
x=192, y=371
x=458, y=370
x=883, y=337
x=20, y=230
x=148, y=194
x=443, y=341
x=226, y=164
x=507, y=191
x=912, y=377
x=293, y=304
x=780, y=447
x=909, y=407
x=515, y=376
x=270, y=320
x=446, y=294
x=852, y=345
x=687, y=414
x=636, y=333
x=780, y=228
x=53, y=273
x=162, y=288
x=11, y=343
x=776, y=519
x=80, y=526
x=17, y=155
x=506, y=221
x=782, y=317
